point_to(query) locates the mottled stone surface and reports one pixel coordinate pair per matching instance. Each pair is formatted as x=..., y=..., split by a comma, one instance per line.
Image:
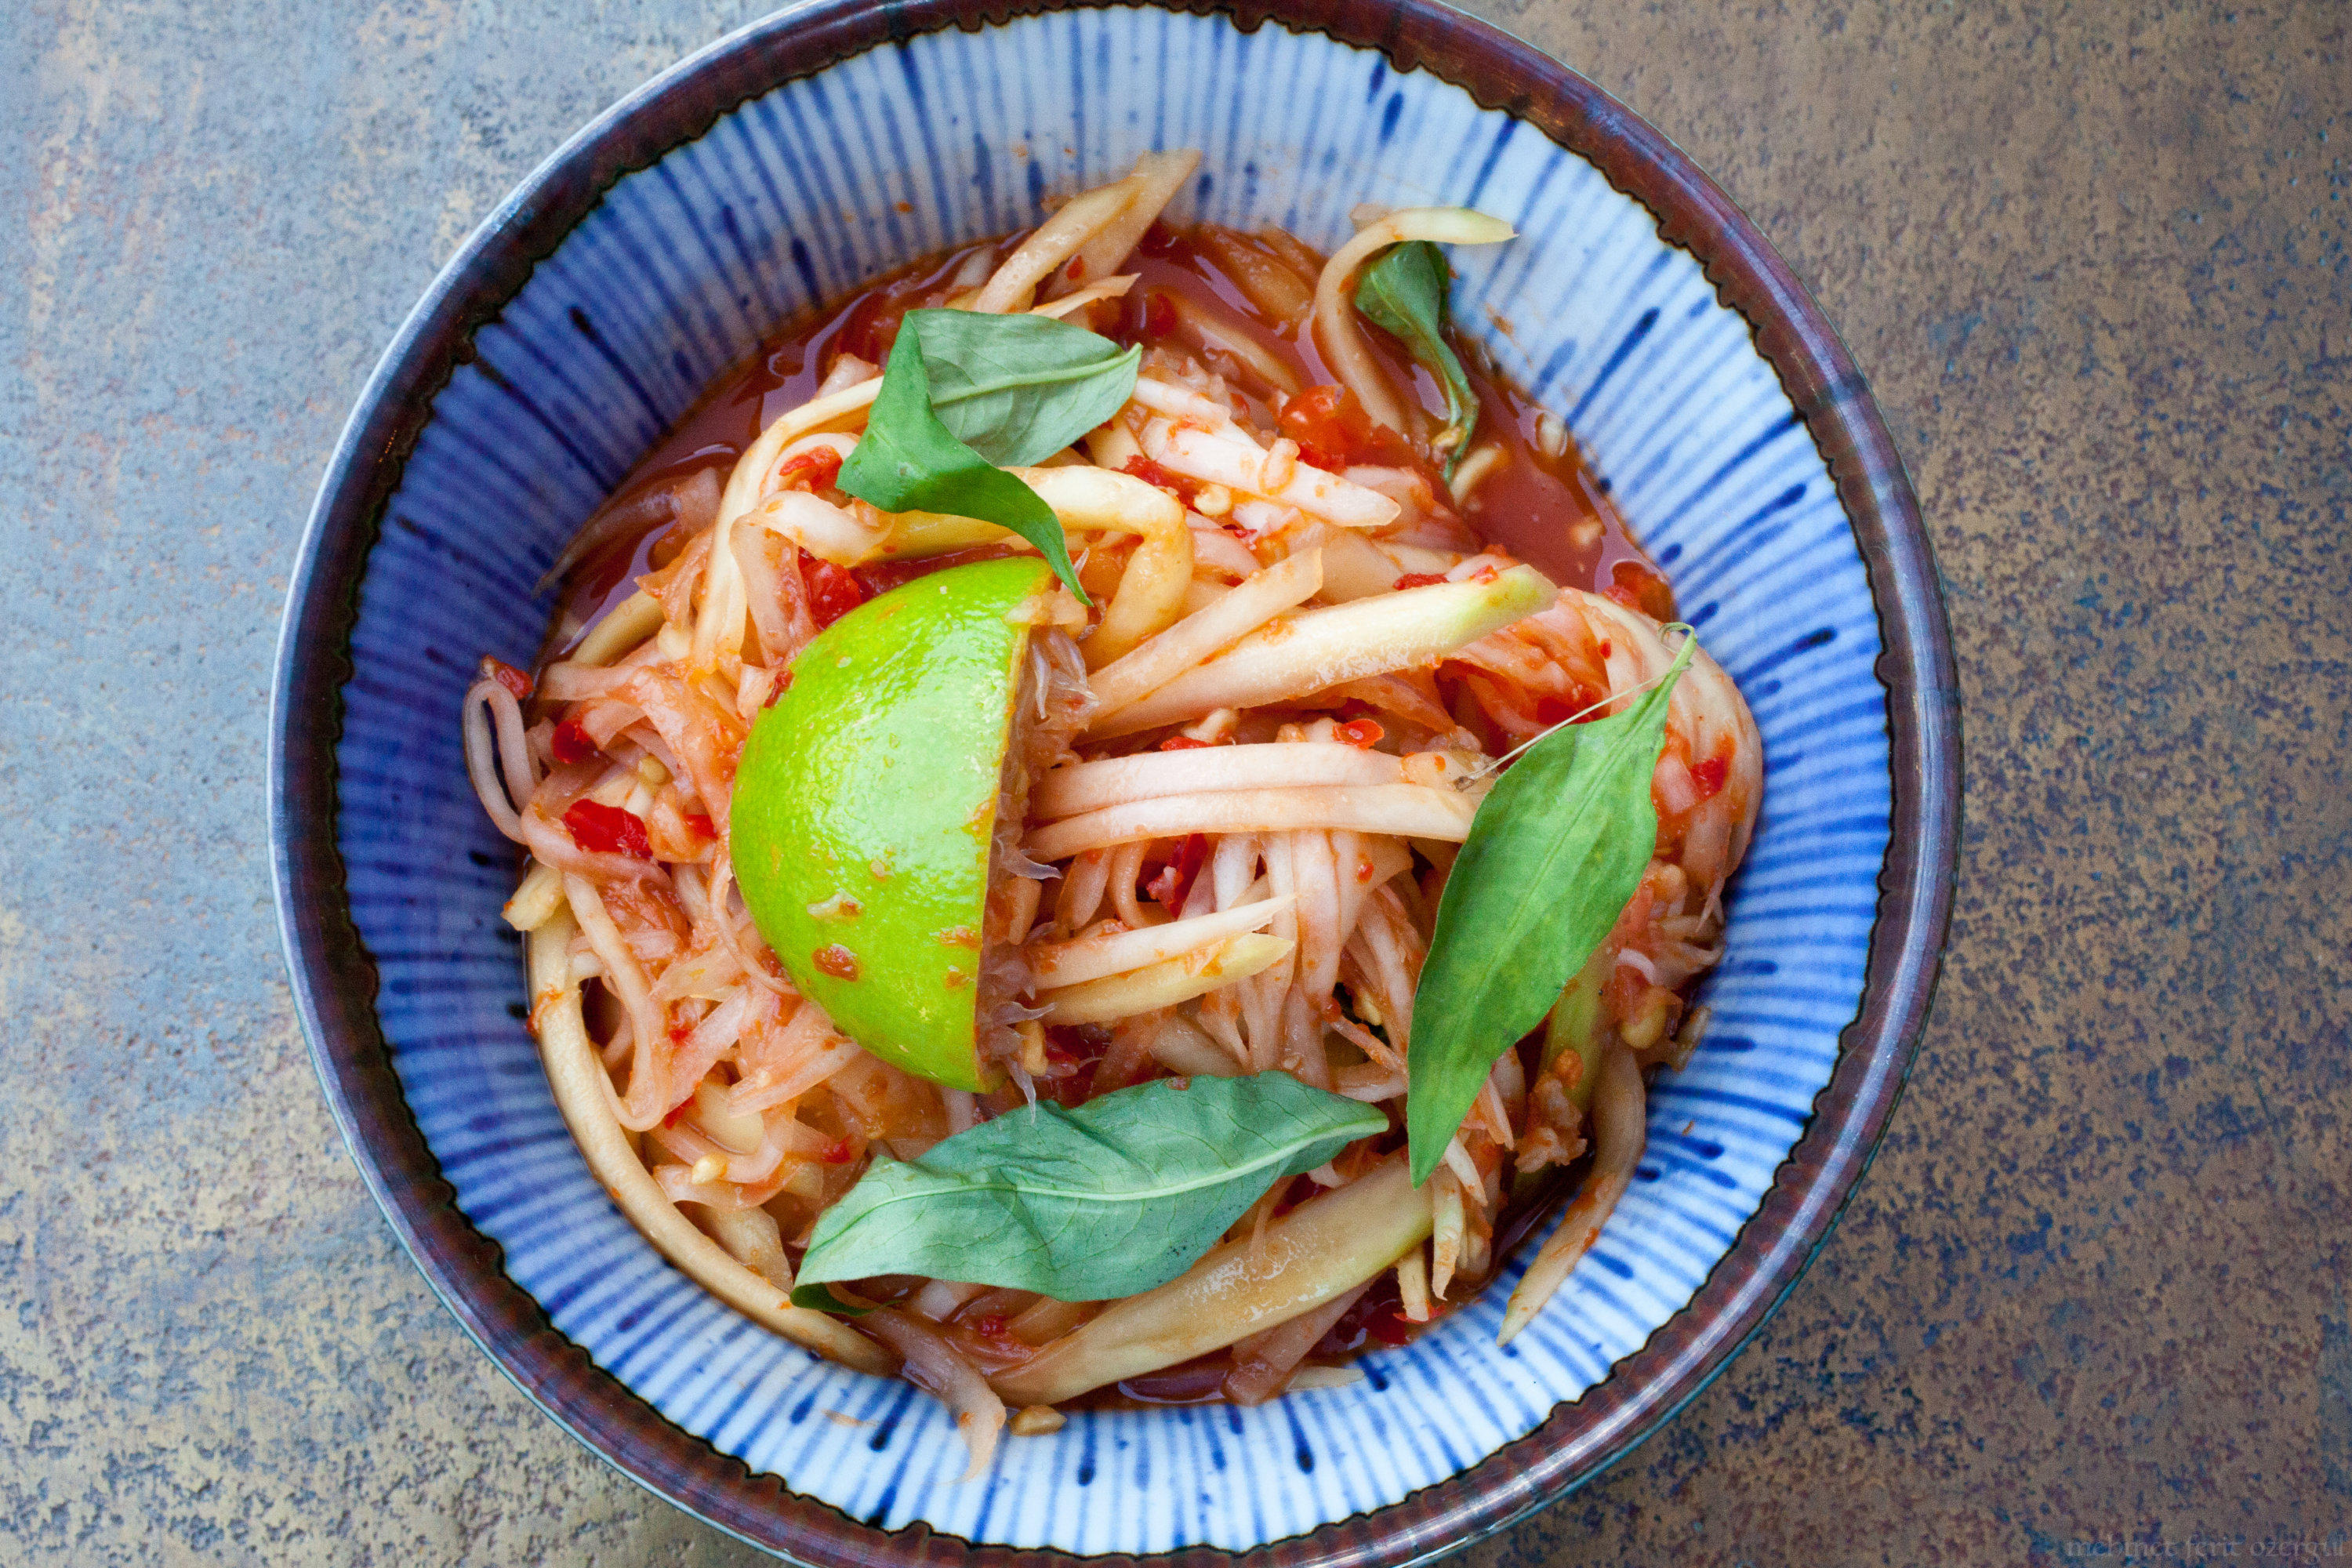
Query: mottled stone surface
x=2092, y=257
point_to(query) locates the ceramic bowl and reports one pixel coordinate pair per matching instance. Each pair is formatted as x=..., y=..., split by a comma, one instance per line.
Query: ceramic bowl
x=779, y=169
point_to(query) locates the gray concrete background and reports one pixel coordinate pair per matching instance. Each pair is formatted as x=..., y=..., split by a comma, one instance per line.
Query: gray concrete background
x=2093, y=258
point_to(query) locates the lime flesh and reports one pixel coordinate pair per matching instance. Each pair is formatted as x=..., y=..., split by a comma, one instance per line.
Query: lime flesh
x=865, y=804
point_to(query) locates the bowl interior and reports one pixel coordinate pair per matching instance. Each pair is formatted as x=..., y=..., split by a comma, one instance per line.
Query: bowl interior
x=797, y=195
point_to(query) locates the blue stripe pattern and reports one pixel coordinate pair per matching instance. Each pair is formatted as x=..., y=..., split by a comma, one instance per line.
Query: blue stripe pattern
x=797, y=197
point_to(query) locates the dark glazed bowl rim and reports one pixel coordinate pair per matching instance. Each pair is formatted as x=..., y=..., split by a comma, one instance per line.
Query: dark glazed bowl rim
x=335, y=982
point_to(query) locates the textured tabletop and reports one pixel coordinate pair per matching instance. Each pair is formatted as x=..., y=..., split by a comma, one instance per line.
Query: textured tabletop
x=2089, y=1302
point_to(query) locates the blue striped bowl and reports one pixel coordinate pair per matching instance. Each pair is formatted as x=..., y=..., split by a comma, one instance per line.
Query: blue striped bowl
x=780, y=169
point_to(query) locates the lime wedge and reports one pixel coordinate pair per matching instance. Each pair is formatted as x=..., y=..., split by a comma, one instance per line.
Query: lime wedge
x=866, y=806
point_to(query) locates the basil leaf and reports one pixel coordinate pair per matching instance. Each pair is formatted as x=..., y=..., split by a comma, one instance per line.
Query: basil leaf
x=909, y=461
x=1404, y=293
x=1554, y=855
x=1018, y=389
x=1116, y=1198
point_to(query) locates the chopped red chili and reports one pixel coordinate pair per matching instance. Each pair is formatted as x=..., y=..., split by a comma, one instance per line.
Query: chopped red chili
x=508, y=676
x=1152, y=473
x=1388, y=1325
x=1637, y=588
x=571, y=743
x=1176, y=878
x=1709, y=776
x=608, y=830
x=1377, y=1317
x=836, y=961
x=840, y=1152
x=1330, y=424
x=1182, y=744
x=1420, y=579
x=1360, y=733
x=833, y=590
x=819, y=468
x=1076, y=269
x=701, y=825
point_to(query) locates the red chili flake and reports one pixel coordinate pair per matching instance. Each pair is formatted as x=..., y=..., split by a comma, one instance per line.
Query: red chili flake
x=833, y=590
x=836, y=961
x=699, y=824
x=608, y=830
x=1076, y=269
x=837, y=1152
x=1420, y=579
x=1182, y=744
x=819, y=466
x=1709, y=776
x=1359, y=733
x=782, y=685
x=1607, y=649
x=991, y=1326
x=1363, y=870
x=508, y=676
x=1152, y=473
x=1159, y=315
x=1175, y=879
x=570, y=743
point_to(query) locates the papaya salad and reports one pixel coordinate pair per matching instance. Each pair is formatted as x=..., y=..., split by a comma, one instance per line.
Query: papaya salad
x=1117, y=818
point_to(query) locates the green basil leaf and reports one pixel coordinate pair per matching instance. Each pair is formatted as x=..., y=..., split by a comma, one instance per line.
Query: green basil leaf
x=1556, y=852
x=1116, y=1198
x=1404, y=293
x=1018, y=389
x=909, y=461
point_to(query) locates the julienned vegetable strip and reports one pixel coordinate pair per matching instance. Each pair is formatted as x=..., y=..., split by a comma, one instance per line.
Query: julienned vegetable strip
x=1310, y=1255
x=1313, y=649
x=584, y=1096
